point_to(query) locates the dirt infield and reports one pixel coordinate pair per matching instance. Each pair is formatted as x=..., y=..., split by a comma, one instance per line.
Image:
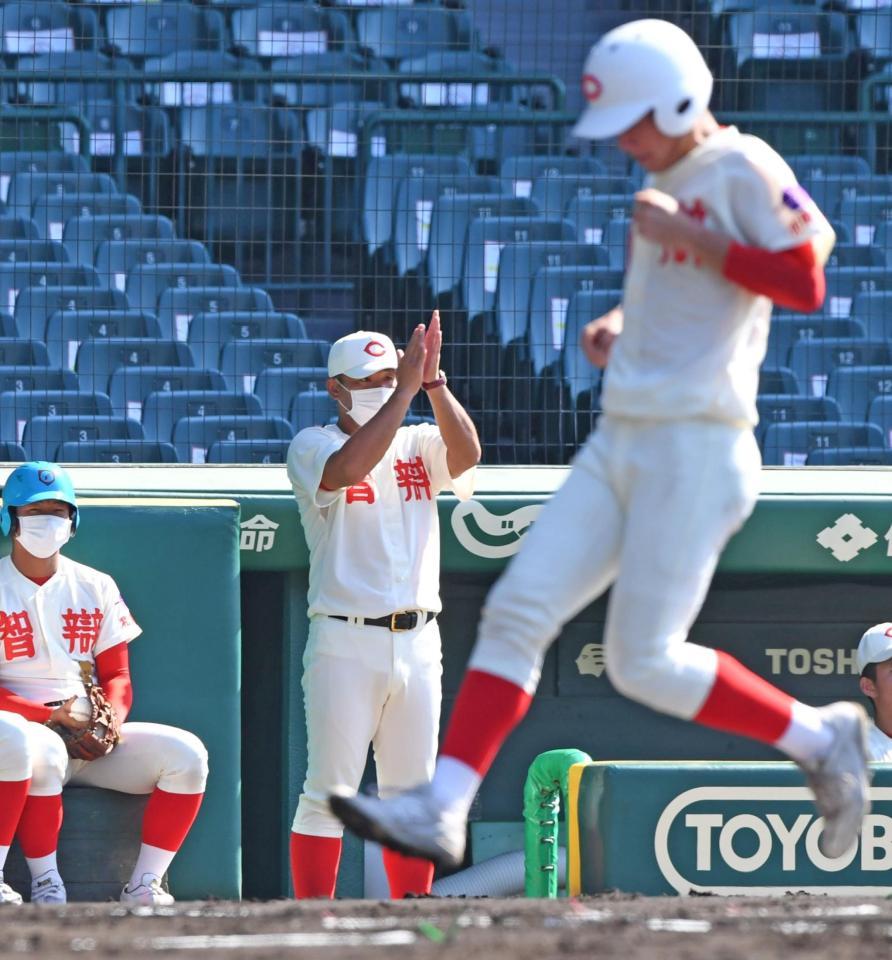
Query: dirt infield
x=609, y=926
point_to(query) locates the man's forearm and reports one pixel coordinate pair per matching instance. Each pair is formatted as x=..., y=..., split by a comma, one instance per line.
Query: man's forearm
x=457, y=429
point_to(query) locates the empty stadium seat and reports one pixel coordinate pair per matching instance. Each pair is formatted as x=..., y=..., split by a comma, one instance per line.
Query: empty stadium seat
x=209, y=331
x=116, y=258
x=45, y=26
x=67, y=329
x=97, y=360
x=789, y=444
x=178, y=305
x=591, y=214
x=312, y=408
x=116, y=451
x=17, y=228
x=129, y=386
x=855, y=387
x=846, y=283
x=241, y=361
x=248, y=451
x=44, y=161
x=518, y=173
x=787, y=329
x=15, y=351
x=288, y=29
x=27, y=186
x=72, y=79
x=784, y=408
x=7, y=325
x=162, y=410
x=146, y=282
x=35, y=305
x=15, y=251
x=51, y=212
x=17, y=407
x=143, y=30
x=349, y=80
x=82, y=236
x=44, y=435
x=554, y=194
x=399, y=33
x=849, y=456
x=200, y=92
x=12, y=452
x=277, y=387
x=863, y=213
x=16, y=277
x=615, y=239
x=813, y=360
x=17, y=377
x=485, y=81
x=853, y=255
x=193, y=436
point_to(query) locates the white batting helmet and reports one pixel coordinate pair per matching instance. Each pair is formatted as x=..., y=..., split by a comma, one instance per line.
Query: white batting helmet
x=639, y=67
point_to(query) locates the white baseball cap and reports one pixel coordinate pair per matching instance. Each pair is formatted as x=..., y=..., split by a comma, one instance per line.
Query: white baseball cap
x=360, y=354
x=875, y=646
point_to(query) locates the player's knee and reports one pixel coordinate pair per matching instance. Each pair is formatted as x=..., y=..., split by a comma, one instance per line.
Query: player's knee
x=631, y=675
x=49, y=762
x=185, y=767
x=15, y=749
x=314, y=818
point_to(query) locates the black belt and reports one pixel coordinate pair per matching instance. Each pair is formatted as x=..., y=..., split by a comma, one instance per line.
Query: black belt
x=395, y=622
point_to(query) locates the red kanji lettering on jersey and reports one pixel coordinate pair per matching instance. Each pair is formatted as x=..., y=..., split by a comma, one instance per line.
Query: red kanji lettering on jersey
x=362, y=492
x=81, y=629
x=412, y=477
x=696, y=211
x=17, y=635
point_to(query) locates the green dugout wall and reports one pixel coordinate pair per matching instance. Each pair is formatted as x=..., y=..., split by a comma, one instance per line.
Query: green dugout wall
x=795, y=589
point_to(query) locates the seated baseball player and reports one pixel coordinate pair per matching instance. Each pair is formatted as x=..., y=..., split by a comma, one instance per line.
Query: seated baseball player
x=874, y=659
x=15, y=778
x=64, y=635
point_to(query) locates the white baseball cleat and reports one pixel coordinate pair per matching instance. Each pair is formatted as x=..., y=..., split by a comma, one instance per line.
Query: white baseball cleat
x=840, y=780
x=48, y=889
x=148, y=892
x=411, y=823
x=7, y=894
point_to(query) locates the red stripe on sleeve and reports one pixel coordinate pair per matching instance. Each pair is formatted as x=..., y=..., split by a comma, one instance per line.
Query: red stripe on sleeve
x=791, y=278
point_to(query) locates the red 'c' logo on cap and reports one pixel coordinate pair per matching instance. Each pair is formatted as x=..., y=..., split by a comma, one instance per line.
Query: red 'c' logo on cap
x=375, y=349
x=591, y=87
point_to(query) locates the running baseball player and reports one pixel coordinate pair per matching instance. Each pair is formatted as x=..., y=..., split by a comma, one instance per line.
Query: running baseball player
x=64, y=628
x=874, y=659
x=672, y=470
x=15, y=778
x=366, y=488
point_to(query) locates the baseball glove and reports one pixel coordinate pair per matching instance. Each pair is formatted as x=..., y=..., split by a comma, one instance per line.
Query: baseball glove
x=100, y=736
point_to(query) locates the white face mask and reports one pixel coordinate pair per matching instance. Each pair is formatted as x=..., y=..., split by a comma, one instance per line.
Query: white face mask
x=43, y=536
x=366, y=403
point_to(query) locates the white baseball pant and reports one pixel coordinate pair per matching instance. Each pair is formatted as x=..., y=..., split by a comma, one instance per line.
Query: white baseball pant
x=365, y=685
x=149, y=755
x=15, y=749
x=647, y=508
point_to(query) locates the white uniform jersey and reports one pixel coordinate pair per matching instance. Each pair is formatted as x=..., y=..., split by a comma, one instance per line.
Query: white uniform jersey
x=375, y=546
x=879, y=746
x=46, y=631
x=692, y=341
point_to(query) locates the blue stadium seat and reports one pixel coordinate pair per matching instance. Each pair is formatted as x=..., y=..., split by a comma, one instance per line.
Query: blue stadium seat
x=789, y=444
x=200, y=93
x=277, y=387
x=17, y=228
x=27, y=186
x=813, y=360
x=17, y=377
x=209, y=331
x=484, y=244
x=8, y=327
x=846, y=283
x=51, y=212
x=129, y=386
x=12, y=452
x=248, y=451
x=478, y=90
x=44, y=161
x=17, y=251
x=872, y=311
x=789, y=328
x=853, y=255
x=449, y=225
x=116, y=451
x=82, y=236
x=873, y=28
x=784, y=408
x=143, y=30
x=97, y=360
x=828, y=178
x=162, y=410
x=15, y=277
x=383, y=179
x=45, y=26
x=348, y=79
x=513, y=135
x=855, y=387
x=413, y=212
x=193, y=436
x=288, y=29
x=16, y=352
x=399, y=33
x=76, y=83
x=116, y=258
x=518, y=173
x=880, y=413
x=591, y=214
x=863, y=213
x=17, y=407
x=147, y=282
x=44, y=435
x=615, y=239
x=178, y=306
x=554, y=194
x=849, y=456
x=241, y=361
x=312, y=408
x=67, y=329
x=35, y=305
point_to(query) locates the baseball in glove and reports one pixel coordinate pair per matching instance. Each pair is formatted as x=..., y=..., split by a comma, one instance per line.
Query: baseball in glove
x=102, y=731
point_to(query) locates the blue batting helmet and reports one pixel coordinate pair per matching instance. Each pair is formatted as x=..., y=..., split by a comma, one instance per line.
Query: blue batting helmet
x=34, y=481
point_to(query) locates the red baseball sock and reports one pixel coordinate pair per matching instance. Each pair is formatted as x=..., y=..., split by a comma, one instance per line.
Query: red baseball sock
x=169, y=817
x=486, y=710
x=13, y=794
x=742, y=702
x=39, y=826
x=314, y=865
x=407, y=874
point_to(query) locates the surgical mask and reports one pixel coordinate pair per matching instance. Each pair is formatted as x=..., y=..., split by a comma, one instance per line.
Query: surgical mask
x=366, y=403
x=43, y=536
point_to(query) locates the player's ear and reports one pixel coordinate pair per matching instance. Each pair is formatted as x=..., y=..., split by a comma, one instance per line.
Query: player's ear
x=868, y=687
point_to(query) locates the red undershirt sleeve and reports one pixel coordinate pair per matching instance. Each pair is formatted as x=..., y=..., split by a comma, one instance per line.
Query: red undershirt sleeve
x=29, y=709
x=791, y=278
x=113, y=673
